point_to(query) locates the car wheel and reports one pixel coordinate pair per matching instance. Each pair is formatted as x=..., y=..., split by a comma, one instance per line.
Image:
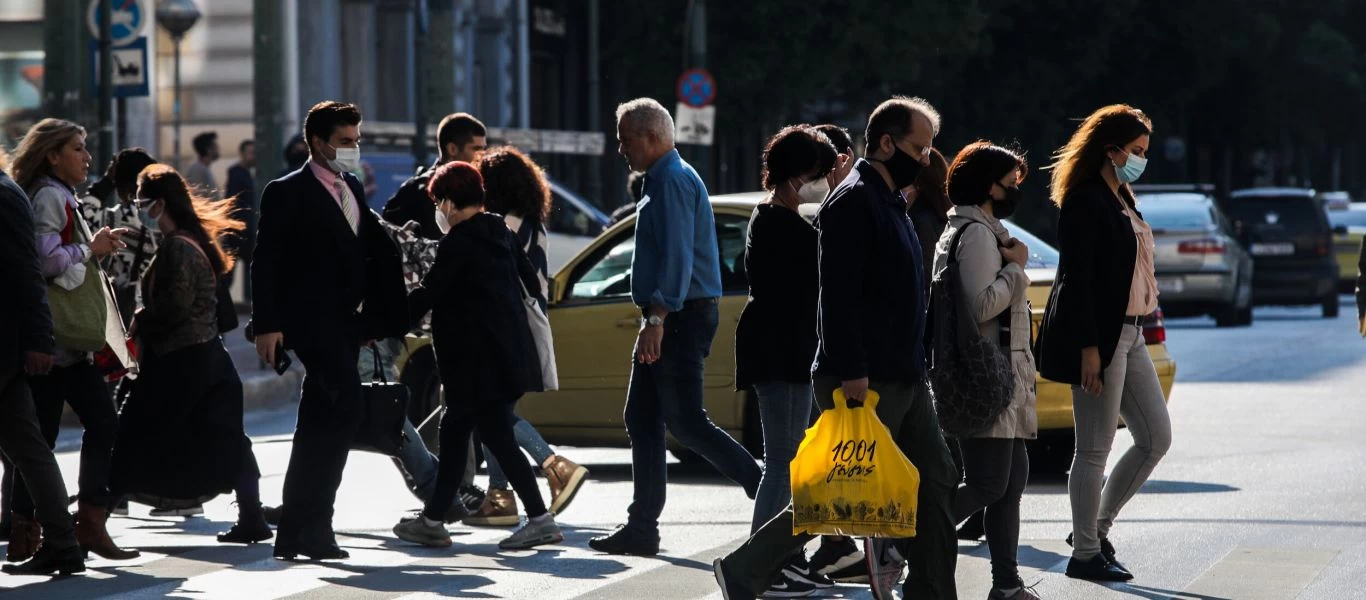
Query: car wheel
x=424, y=396
x=1245, y=316
x=1051, y=453
x=1330, y=306
x=1226, y=316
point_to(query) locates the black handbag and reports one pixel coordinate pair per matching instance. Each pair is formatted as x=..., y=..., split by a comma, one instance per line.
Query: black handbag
x=385, y=407
x=971, y=379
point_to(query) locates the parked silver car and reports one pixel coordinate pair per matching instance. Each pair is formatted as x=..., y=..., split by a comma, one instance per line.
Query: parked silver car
x=1201, y=267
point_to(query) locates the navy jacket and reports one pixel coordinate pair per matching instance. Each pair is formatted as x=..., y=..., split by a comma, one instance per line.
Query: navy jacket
x=310, y=272
x=872, y=297
x=25, y=320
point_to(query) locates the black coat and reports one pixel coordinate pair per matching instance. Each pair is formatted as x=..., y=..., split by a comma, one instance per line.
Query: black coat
x=1091, y=291
x=25, y=320
x=484, y=349
x=411, y=203
x=310, y=272
x=776, y=337
x=873, y=296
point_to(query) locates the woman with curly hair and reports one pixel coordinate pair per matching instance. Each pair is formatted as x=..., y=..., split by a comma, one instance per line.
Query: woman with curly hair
x=516, y=188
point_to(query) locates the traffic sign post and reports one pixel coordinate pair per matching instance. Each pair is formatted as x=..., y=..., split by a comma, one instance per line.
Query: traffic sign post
x=130, y=68
x=130, y=17
x=696, y=88
x=695, y=115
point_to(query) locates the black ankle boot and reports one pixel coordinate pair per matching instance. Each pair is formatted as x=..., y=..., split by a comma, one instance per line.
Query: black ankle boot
x=49, y=560
x=251, y=527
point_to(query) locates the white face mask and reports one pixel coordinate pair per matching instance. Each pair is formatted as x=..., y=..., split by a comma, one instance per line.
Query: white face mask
x=348, y=159
x=814, y=192
x=442, y=223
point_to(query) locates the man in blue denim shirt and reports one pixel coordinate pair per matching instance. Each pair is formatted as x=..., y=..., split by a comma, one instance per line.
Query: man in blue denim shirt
x=675, y=279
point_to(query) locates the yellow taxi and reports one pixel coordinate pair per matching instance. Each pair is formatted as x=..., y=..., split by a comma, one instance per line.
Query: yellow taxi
x=595, y=326
x=1349, y=225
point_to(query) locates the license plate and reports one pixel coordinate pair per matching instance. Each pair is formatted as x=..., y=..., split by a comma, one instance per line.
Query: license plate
x=1170, y=285
x=1273, y=249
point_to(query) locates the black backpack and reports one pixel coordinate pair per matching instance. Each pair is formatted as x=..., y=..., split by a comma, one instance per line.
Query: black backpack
x=971, y=379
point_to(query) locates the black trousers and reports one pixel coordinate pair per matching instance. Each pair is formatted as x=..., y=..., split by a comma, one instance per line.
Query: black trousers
x=493, y=419
x=329, y=415
x=81, y=386
x=28, y=452
x=996, y=472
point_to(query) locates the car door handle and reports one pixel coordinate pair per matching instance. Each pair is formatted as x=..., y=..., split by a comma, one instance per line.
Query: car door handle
x=629, y=323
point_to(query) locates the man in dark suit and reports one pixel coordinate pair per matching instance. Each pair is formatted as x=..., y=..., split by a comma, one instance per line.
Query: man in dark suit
x=326, y=279
x=26, y=349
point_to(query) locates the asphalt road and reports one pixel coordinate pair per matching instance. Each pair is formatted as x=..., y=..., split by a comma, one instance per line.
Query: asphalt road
x=1263, y=496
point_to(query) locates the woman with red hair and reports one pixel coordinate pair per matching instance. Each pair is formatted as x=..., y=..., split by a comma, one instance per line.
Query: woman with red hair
x=484, y=352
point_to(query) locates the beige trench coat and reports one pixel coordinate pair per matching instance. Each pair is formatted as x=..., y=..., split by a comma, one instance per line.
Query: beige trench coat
x=991, y=289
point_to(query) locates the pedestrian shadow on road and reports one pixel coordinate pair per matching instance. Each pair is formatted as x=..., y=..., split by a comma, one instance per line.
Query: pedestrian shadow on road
x=1152, y=593
x=550, y=560
x=1057, y=485
x=409, y=579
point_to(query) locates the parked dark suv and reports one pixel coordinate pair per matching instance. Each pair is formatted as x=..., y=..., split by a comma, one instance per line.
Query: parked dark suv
x=1287, y=233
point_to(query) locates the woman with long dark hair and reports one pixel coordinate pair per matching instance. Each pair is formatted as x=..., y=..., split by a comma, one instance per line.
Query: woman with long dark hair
x=1092, y=331
x=984, y=185
x=929, y=204
x=516, y=187
x=50, y=162
x=182, y=425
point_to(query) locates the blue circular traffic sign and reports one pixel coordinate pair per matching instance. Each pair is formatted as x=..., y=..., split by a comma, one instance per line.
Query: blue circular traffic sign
x=696, y=88
x=130, y=17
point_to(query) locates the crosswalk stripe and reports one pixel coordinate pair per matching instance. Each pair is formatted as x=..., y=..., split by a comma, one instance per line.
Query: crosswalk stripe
x=1261, y=573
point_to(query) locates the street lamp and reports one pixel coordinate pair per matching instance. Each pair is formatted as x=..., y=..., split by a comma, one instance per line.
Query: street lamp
x=177, y=17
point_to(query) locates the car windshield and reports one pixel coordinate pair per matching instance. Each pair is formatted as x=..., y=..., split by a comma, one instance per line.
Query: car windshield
x=1177, y=216
x=1041, y=255
x=1296, y=213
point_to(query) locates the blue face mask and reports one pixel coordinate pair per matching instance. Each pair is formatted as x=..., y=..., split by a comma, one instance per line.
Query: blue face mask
x=1132, y=169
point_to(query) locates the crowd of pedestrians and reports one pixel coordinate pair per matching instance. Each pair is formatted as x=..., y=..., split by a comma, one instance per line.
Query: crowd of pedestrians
x=838, y=302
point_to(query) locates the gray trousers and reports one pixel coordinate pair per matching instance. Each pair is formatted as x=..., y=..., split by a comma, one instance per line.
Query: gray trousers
x=1132, y=390
x=24, y=445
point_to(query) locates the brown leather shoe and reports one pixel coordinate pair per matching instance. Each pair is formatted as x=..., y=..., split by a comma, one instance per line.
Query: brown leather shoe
x=25, y=535
x=498, y=510
x=565, y=477
x=93, y=537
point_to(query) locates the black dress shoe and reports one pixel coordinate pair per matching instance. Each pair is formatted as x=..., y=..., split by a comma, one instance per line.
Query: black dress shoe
x=291, y=550
x=1108, y=551
x=49, y=560
x=247, y=530
x=627, y=540
x=1096, y=569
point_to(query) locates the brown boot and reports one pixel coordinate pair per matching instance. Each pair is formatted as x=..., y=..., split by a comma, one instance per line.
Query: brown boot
x=93, y=537
x=498, y=510
x=25, y=535
x=564, y=477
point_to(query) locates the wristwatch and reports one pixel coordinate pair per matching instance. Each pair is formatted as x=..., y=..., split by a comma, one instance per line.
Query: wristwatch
x=654, y=321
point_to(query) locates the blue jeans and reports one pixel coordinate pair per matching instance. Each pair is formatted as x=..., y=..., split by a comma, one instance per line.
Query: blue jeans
x=784, y=411
x=527, y=439
x=667, y=396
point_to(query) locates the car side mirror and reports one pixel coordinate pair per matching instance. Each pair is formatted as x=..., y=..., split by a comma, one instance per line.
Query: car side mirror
x=1339, y=230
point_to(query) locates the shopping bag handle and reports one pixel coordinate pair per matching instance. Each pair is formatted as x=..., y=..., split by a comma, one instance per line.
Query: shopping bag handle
x=869, y=401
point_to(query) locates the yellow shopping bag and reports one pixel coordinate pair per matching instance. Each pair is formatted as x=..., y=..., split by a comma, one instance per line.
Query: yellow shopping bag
x=850, y=478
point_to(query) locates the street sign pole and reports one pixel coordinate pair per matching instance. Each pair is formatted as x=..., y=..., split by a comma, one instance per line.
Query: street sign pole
x=105, y=151
x=702, y=154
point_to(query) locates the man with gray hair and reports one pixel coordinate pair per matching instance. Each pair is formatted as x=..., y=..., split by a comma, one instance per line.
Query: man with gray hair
x=675, y=280
x=871, y=326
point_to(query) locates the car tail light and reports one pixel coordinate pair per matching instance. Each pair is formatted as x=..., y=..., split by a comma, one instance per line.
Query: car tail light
x=1205, y=246
x=1154, y=328
x=1323, y=248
